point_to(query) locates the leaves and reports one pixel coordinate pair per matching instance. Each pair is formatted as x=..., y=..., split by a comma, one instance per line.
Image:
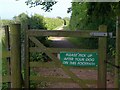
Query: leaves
x=47, y=4
x=91, y=15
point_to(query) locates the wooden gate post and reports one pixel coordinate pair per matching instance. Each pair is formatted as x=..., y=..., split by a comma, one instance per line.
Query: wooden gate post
x=27, y=57
x=102, y=58
x=15, y=56
x=117, y=58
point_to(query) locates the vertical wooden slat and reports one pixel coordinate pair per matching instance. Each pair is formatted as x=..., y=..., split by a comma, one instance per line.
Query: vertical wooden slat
x=117, y=59
x=7, y=45
x=15, y=55
x=102, y=58
x=27, y=64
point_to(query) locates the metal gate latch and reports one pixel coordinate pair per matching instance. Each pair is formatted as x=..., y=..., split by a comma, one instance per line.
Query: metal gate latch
x=101, y=34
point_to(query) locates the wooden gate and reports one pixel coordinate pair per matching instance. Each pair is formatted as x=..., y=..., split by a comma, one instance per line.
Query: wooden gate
x=39, y=47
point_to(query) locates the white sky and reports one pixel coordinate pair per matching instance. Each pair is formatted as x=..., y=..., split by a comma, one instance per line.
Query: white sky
x=11, y=8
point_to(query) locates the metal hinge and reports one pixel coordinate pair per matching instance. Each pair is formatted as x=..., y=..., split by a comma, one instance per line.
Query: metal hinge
x=101, y=34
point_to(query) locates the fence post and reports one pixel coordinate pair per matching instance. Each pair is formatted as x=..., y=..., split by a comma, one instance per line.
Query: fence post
x=15, y=55
x=102, y=58
x=27, y=56
x=117, y=58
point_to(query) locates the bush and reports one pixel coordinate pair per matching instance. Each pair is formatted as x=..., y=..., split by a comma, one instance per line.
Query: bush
x=52, y=23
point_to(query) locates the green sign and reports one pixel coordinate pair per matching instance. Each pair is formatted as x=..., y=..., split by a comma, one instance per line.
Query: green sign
x=79, y=58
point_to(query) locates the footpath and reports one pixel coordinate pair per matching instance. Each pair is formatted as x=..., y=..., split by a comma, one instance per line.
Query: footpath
x=61, y=42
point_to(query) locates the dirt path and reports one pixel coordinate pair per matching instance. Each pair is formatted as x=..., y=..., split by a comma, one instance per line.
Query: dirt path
x=61, y=42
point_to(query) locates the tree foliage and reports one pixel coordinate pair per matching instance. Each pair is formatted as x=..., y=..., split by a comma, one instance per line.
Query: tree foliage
x=6, y=22
x=47, y=4
x=78, y=15
x=95, y=13
x=37, y=22
x=92, y=14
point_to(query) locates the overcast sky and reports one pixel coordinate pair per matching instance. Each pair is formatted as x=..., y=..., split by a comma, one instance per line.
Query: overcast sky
x=11, y=8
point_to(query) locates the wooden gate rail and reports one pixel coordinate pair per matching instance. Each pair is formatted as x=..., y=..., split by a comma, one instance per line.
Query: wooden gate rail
x=62, y=33
x=58, y=50
x=59, y=79
x=31, y=36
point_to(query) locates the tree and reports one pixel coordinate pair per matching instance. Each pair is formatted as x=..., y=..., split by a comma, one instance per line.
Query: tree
x=36, y=22
x=21, y=18
x=78, y=15
x=86, y=13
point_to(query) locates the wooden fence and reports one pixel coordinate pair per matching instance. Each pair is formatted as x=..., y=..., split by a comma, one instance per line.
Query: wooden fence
x=13, y=55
